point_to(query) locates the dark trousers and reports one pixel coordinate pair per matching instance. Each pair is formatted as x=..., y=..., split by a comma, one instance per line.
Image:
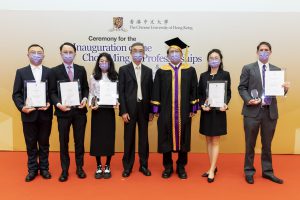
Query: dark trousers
x=181, y=161
x=79, y=123
x=267, y=129
x=129, y=139
x=37, y=144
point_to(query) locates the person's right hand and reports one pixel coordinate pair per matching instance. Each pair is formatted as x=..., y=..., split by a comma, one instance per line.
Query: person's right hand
x=94, y=107
x=254, y=101
x=126, y=117
x=205, y=108
x=27, y=110
x=63, y=108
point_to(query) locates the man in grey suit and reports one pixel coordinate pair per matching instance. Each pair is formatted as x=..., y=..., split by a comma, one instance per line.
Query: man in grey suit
x=259, y=112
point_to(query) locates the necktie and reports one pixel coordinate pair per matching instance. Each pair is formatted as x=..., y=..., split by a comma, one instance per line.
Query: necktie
x=267, y=100
x=70, y=73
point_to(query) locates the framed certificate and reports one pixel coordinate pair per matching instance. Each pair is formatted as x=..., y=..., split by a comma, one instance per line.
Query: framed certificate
x=108, y=93
x=69, y=92
x=216, y=93
x=273, y=83
x=35, y=93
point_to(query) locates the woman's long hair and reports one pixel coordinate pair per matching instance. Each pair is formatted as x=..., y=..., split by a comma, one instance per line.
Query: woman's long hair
x=111, y=72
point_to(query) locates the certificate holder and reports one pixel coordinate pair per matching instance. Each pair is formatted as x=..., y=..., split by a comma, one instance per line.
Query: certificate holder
x=216, y=93
x=35, y=93
x=69, y=92
x=273, y=83
x=108, y=94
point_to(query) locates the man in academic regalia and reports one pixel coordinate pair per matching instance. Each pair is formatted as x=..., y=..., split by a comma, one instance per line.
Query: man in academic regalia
x=175, y=102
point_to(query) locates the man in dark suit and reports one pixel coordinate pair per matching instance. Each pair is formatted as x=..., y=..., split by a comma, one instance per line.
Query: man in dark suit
x=259, y=113
x=67, y=116
x=37, y=122
x=135, y=85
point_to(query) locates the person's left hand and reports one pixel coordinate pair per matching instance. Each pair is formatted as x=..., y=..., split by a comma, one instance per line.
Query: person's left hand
x=151, y=116
x=117, y=106
x=82, y=104
x=224, y=108
x=192, y=114
x=45, y=107
x=286, y=86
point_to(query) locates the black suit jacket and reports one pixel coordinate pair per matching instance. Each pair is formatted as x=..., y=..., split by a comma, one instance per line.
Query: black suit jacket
x=59, y=73
x=251, y=79
x=22, y=75
x=128, y=89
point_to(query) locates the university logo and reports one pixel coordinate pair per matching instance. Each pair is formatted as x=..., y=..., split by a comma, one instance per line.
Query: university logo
x=118, y=24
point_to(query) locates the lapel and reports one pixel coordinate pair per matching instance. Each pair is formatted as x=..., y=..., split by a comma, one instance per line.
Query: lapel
x=64, y=72
x=76, y=72
x=258, y=76
x=131, y=71
x=143, y=73
x=29, y=72
x=43, y=73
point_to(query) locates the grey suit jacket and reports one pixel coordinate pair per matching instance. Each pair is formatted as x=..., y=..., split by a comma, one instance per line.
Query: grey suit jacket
x=250, y=79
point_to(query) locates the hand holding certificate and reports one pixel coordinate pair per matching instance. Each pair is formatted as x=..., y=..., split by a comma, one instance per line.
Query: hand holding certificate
x=35, y=94
x=274, y=81
x=69, y=93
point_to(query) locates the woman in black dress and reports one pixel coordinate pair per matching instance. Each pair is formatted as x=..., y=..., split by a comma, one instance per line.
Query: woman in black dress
x=213, y=120
x=103, y=119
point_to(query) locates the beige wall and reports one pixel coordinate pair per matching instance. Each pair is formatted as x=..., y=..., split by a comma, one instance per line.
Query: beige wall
x=235, y=33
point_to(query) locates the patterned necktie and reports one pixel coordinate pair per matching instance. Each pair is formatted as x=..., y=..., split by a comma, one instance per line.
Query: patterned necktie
x=70, y=73
x=267, y=100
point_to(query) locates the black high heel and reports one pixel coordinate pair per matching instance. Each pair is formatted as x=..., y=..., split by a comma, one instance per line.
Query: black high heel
x=206, y=174
x=210, y=180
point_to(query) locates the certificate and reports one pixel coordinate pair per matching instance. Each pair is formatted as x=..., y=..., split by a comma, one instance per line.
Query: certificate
x=217, y=93
x=69, y=93
x=108, y=93
x=35, y=94
x=273, y=83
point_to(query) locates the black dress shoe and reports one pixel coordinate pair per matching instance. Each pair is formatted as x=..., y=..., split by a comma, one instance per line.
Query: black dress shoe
x=126, y=173
x=107, y=172
x=64, y=176
x=45, y=174
x=249, y=179
x=167, y=173
x=181, y=173
x=30, y=176
x=206, y=174
x=145, y=171
x=80, y=173
x=273, y=178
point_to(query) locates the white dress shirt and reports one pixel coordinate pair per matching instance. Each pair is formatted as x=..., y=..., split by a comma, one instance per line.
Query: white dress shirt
x=138, y=72
x=37, y=72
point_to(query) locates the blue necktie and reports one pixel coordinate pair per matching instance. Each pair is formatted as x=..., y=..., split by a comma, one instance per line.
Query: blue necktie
x=267, y=100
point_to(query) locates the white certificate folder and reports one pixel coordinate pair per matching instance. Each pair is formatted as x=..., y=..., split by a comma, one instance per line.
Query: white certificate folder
x=69, y=92
x=35, y=93
x=216, y=93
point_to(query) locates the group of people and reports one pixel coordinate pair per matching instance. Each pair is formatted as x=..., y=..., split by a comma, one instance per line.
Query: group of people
x=173, y=96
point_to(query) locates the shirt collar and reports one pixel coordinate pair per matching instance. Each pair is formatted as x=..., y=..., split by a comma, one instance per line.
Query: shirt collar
x=137, y=66
x=35, y=67
x=260, y=64
x=176, y=66
x=66, y=66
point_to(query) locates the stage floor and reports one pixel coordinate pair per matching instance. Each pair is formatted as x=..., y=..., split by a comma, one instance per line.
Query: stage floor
x=229, y=181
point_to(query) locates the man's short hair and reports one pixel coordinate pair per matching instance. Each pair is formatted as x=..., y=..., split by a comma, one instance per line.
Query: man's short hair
x=35, y=45
x=137, y=44
x=264, y=43
x=68, y=44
